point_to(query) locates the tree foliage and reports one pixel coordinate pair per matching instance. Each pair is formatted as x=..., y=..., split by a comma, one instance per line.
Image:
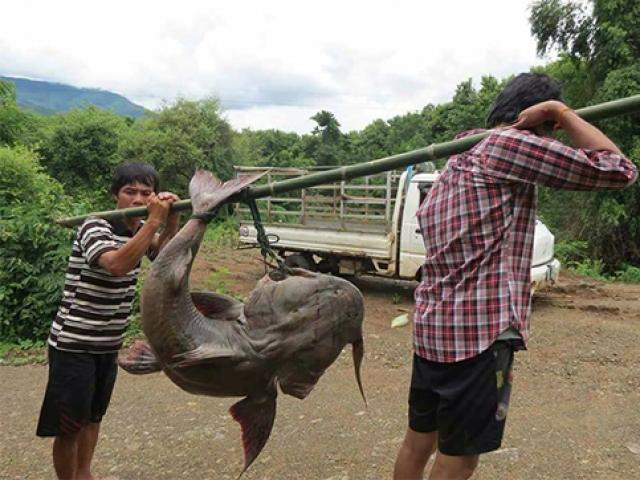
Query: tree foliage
x=180, y=138
x=16, y=126
x=33, y=249
x=81, y=151
x=603, y=33
x=269, y=148
x=599, y=45
x=326, y=144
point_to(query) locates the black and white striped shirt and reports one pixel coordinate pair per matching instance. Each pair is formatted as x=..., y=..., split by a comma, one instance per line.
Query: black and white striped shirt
x=95, y=306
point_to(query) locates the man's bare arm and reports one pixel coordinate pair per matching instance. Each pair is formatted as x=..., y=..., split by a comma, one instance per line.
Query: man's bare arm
x=582, y=133
x=119, y=262
x=171, y=227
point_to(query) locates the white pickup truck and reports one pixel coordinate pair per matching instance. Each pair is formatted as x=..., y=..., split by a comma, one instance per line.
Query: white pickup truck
x=363, y=226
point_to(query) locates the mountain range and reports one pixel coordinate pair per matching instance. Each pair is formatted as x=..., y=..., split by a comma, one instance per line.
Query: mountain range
x=49, y=98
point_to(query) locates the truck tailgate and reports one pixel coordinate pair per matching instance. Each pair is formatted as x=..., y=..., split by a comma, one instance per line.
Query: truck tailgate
x=353, y=244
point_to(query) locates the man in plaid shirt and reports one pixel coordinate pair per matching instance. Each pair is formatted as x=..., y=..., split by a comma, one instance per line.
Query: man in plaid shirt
x=473, y=303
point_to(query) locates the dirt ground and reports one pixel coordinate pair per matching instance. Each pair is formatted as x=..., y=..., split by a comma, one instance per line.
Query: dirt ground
x=575, y=410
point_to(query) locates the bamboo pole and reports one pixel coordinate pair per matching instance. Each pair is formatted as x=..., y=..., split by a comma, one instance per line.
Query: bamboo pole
x=432, y=152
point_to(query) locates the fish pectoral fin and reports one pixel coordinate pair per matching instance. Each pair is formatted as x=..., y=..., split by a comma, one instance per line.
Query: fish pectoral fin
x=140, y=359
x=204, y=354
x=255, y=417
x=217, y=305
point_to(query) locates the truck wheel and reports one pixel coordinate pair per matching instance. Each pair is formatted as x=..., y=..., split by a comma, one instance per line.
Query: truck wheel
x=328, y=265
x=299, y=260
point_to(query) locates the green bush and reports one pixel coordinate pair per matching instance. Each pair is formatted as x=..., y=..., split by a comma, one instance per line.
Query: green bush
x=628, y=274
x=224, y=233
x=33, y=249
x=571, y=253
x=590, y=268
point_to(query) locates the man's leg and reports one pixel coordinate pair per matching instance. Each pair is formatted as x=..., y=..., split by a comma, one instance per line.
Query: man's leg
x=65, y=455
x=448, y=467
x=87, y=440
x=414, y=454
x=471, y=420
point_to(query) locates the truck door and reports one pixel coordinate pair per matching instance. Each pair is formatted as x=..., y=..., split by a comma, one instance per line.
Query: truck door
x=411, y=242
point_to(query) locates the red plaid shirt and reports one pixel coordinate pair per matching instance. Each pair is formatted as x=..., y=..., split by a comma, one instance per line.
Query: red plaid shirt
x=478, y=223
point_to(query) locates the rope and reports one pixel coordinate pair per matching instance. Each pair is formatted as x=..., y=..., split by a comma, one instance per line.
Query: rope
x=206, y=217
x=282, y=271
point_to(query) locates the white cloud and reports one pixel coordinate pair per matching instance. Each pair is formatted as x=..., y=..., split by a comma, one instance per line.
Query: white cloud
x=272, y=64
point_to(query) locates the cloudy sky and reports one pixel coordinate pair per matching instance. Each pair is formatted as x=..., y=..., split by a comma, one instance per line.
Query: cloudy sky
x=272, y=64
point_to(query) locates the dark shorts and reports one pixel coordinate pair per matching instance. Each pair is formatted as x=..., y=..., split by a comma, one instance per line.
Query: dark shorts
x=78, y=391
x=465, y=402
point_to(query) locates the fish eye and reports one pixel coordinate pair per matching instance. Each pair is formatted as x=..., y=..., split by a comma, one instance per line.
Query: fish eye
x=277, y=275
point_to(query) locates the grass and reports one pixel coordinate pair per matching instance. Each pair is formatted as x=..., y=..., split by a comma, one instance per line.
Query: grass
x=222, y=234
x=575, y=257
x=23, y=353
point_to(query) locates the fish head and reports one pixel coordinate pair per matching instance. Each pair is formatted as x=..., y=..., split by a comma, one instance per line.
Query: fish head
x=308, y=318
x=325, y=299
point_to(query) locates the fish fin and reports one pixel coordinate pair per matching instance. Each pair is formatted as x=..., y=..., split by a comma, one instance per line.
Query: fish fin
x=140, y=359
x=297, y=389
x=207, y=191
x=202, y=355
x=256, y=421
x=216, y=305
x=358, y=354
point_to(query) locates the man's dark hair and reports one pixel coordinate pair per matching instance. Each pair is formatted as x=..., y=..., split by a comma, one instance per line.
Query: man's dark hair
x=520, y=93
x=132, y=172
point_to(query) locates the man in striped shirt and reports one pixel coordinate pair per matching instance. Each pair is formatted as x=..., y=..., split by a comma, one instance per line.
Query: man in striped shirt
x=473, y=302
x=90, y=325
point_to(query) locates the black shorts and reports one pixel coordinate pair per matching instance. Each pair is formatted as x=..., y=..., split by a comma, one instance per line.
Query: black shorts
x=465, y=402
x=78, y=391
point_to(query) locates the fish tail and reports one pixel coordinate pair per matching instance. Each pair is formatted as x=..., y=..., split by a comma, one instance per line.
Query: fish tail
x=358, y=355
x=207, y=191
x=255, y=416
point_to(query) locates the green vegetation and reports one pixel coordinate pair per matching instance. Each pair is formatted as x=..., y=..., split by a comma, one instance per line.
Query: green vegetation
x=22, y=352
x=61, y=164
x=575, y=257
x=221, y=234
x=33, y=250
x=599, y=42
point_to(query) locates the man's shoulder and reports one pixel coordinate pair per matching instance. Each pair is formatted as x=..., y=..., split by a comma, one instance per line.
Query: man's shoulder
x=513, y=134
x=468, y=133
x=94, y=223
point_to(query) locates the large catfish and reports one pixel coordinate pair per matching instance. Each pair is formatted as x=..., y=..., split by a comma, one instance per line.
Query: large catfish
x=287, y=333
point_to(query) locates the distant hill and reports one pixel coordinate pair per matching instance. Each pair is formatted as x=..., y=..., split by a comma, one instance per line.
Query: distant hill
x=48, y=98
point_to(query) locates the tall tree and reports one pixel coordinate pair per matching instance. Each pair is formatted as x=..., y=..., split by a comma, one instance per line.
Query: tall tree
x=604, y=33
x=180, y=138
x=599, y=46
x=81, y=152
x=16, y=126
x=327, y=141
